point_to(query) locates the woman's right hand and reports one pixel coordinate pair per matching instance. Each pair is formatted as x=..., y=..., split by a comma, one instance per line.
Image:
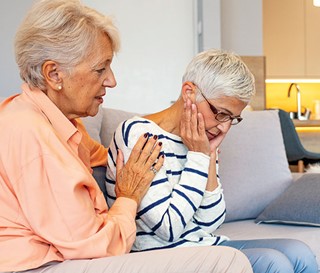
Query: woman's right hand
x=192, y=129
x=134, y=178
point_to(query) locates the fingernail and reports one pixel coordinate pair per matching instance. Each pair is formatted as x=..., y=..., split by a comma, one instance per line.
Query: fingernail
x=155, y=137
x=160, y=143
x=146, y=135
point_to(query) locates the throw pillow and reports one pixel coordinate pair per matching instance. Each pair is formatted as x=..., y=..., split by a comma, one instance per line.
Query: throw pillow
x=253, y=166
x=298, y=205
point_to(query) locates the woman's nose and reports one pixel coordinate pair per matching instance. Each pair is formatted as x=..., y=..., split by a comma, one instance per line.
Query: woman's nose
x=110, y=81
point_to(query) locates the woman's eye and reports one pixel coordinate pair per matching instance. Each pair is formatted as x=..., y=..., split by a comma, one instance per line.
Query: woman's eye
x=100, y=71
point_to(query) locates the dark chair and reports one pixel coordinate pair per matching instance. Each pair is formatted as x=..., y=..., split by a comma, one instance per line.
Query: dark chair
x=296, y=153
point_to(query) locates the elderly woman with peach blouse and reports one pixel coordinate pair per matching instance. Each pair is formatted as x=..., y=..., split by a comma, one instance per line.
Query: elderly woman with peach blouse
x=53, y=216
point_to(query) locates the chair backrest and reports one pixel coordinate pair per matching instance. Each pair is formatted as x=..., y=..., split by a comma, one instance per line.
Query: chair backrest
x=294, y=148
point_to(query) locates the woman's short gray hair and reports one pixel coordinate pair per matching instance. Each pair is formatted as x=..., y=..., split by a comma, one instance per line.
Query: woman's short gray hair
x=220, y=73
x=60, y=30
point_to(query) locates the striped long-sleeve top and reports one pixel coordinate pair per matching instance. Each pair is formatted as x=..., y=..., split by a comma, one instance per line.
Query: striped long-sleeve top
x=177, y=210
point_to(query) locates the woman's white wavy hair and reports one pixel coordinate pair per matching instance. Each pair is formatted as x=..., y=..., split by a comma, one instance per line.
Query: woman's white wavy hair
x=219, y=73
x=60, y=30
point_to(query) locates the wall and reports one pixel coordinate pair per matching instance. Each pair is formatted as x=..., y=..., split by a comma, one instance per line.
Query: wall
x=158, y=40
x=11, y=14
x=241, y=32
x=241, y=26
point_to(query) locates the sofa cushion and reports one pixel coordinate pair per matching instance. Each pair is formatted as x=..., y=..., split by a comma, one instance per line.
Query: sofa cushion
x=298, y=205
x=111, y=120
x=99, y=174
x=252, y=165
x=102, y=126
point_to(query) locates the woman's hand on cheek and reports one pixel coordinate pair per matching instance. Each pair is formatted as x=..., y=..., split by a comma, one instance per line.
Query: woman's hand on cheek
x=134, y=178
x=224, y=128
x=192, y=129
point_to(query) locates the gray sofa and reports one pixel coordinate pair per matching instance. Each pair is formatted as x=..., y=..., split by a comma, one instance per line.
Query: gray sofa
x=263, y=198
x=255, y=175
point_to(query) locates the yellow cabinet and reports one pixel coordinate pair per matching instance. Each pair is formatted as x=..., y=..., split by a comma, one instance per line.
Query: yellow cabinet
x=291, y=39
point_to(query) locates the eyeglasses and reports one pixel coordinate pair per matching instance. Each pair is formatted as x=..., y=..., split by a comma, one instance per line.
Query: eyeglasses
x=220, y=116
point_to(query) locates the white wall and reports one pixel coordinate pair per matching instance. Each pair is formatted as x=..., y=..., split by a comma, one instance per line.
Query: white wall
x=11, y=14
x=241, y=26
x=211, y=24
x=158, y=40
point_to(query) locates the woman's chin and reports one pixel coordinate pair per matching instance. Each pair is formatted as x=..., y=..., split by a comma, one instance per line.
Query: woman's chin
x=93, y=111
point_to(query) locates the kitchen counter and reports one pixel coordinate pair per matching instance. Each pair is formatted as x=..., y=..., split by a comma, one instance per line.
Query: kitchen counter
x=309, y=133
x=306, y=123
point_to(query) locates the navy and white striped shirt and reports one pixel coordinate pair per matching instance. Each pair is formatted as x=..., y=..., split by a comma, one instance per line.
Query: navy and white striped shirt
x=177, y=210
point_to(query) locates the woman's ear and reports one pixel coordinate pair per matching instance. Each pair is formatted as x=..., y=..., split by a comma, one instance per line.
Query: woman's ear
x=189, y=91
x=52, y=75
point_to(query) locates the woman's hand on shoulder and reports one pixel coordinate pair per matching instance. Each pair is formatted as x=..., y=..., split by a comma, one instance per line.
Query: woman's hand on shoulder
x=192, y=129
x=134, y=178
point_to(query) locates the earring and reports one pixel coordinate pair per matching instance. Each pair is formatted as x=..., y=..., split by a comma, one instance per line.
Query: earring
x=59, y=87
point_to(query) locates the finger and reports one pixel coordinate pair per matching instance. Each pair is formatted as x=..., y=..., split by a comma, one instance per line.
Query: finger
x=182, y=124
x=154, y=155
x=159, y=163
x=135, y=153
x=155, y=168
x=194, y=120
x=201, y=125
x=146, y=152
x=119, y=162
x=186, y=121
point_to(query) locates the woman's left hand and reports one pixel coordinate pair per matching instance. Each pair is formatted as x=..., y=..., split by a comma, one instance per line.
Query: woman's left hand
x=223, y=128
x=192, y=129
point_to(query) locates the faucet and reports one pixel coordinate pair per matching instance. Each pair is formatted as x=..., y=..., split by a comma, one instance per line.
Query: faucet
x=298, y=98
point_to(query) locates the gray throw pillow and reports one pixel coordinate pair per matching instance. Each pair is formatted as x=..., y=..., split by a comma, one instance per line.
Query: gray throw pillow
x=253, y=165
x=298, y=205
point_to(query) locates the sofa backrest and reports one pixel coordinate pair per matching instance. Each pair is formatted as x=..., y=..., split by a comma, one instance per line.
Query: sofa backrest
x=102, y=126
x=253, y=166
x=252, y=163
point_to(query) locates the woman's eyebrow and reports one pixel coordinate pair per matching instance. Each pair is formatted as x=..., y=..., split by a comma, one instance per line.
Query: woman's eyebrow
x=102, y=62
x=225, y=110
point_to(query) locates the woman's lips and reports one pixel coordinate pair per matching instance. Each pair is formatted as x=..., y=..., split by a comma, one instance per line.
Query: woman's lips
x=100, y=98
x=212, y=135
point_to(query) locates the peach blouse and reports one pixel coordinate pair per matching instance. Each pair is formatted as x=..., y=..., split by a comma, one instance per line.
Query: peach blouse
x=51, y=208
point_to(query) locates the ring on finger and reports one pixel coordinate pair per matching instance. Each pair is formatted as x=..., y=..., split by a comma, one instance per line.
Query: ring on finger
x=154, y=170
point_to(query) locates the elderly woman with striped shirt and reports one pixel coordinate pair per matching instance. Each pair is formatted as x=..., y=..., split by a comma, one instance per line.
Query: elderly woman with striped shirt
x=185, y=204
